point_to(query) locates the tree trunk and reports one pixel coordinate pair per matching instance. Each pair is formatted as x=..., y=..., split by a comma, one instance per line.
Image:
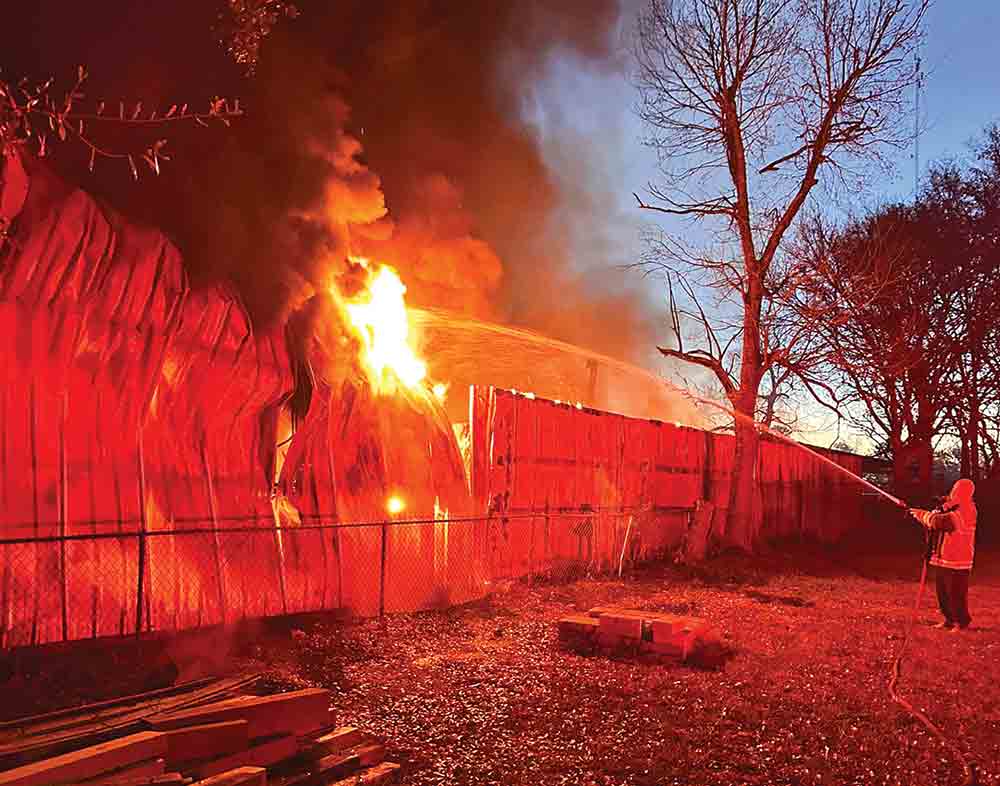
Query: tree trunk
x=912, y=465
x=743, y=523
x=972, y=440
x=744, y=520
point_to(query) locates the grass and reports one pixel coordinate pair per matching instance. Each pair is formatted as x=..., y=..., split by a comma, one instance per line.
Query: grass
x=485, y=694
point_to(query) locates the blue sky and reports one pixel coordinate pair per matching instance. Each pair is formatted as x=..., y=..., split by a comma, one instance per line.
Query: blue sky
x=960, y=96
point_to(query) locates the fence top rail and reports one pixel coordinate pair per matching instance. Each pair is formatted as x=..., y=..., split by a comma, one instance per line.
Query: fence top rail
x=331, y=525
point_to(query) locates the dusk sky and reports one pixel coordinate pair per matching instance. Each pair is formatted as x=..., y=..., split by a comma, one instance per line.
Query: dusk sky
x=960, y=96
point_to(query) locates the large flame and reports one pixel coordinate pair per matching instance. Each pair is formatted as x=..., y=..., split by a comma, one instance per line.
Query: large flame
x=379, y=316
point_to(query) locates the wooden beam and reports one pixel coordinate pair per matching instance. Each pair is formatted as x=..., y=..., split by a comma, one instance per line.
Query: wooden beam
x=383, y=773
x=297, y=712
x=243, y=776
x=265, y=754
x=208, y=740
x=140, y=771
x=335, y=741
x=88, y=762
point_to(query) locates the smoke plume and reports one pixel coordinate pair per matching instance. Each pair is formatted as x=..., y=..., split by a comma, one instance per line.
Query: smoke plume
x=396, y=129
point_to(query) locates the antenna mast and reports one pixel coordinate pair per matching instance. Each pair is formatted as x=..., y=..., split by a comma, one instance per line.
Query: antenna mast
x=919, y=83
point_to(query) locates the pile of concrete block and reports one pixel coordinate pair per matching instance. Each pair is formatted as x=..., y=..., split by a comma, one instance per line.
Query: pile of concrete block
x=286, y=739
x=611, y=629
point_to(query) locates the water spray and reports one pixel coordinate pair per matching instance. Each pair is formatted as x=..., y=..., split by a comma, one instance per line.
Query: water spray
x=872, y=490
x=967, y=767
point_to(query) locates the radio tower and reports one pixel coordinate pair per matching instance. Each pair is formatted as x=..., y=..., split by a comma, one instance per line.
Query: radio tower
x=919, y=83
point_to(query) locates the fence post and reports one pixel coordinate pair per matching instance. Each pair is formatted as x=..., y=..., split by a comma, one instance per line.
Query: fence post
x=531, y=550
x=548, y=532
x=63, y=515
x=36, y=605
x=217, y=544
x=706, y=474
x=381, y=577
x=142, y=539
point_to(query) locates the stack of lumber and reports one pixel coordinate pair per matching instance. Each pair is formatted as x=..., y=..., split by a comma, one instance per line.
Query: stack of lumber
x=285, y=739
x=661, y=636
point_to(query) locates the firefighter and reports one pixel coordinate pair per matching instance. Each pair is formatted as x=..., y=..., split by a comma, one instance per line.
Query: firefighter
x=952, y=533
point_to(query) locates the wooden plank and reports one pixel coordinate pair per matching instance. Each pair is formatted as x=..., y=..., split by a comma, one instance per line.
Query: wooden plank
x=296, y=712
x=328, y=769
x=242, y=776
x=88, y=762
x=167, y=779
x=206, y=740
x=372, y=754
x=620, y=625
x=87, y=711
x=264, y=754
x=99, y=714
x=101, y=728
x=142, y=770
x=386, y=772
x=335, y=741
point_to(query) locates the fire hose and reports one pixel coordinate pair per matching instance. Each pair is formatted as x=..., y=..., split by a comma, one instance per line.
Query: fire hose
x=971, y=778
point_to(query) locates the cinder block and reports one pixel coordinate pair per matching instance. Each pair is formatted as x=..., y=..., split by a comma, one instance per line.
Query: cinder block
x=88, y=762
x=599, y=611
x=665, y=626
x=578, y=625
x=622, y=625
x=695, y=635
x=243, y=776
x=668, y=648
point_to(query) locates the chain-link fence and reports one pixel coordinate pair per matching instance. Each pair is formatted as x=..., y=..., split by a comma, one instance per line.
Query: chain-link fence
x=136, y=580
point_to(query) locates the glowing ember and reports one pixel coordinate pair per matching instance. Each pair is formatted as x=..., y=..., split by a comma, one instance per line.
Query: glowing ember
x=440, y=391
x=379, y=316
x=395, y=505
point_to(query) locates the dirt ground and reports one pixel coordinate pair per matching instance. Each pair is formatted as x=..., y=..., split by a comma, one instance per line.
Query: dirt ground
x=484, y=694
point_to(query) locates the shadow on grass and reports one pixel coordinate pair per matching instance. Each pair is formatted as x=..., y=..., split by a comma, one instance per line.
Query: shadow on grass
x=784, y=600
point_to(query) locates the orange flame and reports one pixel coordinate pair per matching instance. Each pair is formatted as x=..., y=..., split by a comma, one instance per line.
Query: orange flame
x=379, y=317
x=395, y=505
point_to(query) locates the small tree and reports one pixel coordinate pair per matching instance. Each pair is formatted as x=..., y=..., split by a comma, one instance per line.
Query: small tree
x=33, y=115
x=750, y=103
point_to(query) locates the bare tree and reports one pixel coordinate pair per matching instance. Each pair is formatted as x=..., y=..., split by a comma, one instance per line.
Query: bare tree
x=750, y=103
x=35, y=114
x=966, y=205
x=32, y=116
x=882, y=298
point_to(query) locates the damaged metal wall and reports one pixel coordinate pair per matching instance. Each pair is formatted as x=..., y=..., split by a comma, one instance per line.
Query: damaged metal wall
x=138, y=432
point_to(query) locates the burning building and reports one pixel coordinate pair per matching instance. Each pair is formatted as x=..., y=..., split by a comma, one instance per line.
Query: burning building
x=164, y=464
x=135, y=408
